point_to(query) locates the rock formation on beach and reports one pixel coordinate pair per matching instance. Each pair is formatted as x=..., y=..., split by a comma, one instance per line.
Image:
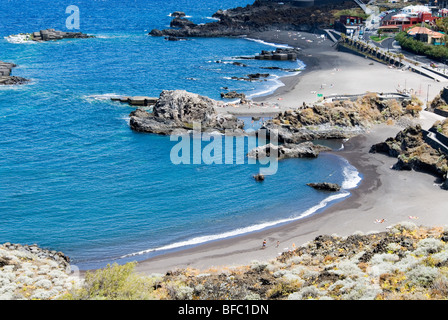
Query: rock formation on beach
x=413, y=152
x=5, y=75
x=338, y=119
x=260, y=16
x=233, y=95
x=439, y=104
x=303, y=150
x=178, y=110
x=325, y=186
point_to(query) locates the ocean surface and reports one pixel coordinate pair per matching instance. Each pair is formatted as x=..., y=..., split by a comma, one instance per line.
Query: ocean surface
x=75, y=178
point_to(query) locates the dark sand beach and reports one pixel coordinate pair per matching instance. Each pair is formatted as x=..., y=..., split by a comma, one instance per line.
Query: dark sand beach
x=384, y=194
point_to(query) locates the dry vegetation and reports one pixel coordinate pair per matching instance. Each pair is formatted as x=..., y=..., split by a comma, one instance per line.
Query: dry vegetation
x=442, y=126
x=405, y=262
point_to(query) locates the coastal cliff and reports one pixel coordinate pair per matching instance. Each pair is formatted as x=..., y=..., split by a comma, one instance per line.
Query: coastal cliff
x=260, y=16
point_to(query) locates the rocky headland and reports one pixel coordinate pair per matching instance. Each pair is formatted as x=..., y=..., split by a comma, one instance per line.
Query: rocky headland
x=260, y=16
x=176, y=112
x=340, y=119
x=5, y=75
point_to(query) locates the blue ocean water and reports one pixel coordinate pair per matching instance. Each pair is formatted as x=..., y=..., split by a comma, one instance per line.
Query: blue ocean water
x=75, y=178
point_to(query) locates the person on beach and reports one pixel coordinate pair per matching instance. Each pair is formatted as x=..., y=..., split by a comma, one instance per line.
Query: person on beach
x=264, y=244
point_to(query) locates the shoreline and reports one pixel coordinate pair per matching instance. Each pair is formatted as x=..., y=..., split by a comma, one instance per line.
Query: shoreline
x=357, y=212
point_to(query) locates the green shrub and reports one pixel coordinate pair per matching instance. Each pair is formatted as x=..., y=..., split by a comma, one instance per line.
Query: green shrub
x=115, y=282
x=418, y=47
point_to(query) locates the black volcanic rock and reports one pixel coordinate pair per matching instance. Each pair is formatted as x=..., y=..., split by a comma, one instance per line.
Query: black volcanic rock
x=413, y=152
x=260, y=16
x=182, y=23
x=52, y=34
x=325, y=186
x=178, y=14
x=5, y=75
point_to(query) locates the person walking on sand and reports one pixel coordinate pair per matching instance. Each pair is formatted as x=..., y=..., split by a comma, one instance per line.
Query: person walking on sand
x=264, y=244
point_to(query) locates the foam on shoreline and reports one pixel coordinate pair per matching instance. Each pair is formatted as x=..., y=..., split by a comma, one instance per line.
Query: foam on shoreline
x=352, y=180
x=283, y=46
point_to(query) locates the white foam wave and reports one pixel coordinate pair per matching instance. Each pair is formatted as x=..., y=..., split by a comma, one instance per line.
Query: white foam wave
x=19, y=38
x=240, y=231
x=352, y=177
x=276, y=83
x=102, y=97
x=269, y=43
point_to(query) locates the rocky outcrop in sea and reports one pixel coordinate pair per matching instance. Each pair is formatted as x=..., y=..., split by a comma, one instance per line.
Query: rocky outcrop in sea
x=325, y=186
x=176, y=112
x=5, y=75
x=49, y=35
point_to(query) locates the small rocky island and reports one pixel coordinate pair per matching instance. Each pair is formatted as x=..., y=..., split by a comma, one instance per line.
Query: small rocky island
x=176, y=111
x=5, y=75
x=51, y=34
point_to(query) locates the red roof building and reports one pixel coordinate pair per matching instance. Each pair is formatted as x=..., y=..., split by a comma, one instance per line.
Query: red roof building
x=405, y=21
